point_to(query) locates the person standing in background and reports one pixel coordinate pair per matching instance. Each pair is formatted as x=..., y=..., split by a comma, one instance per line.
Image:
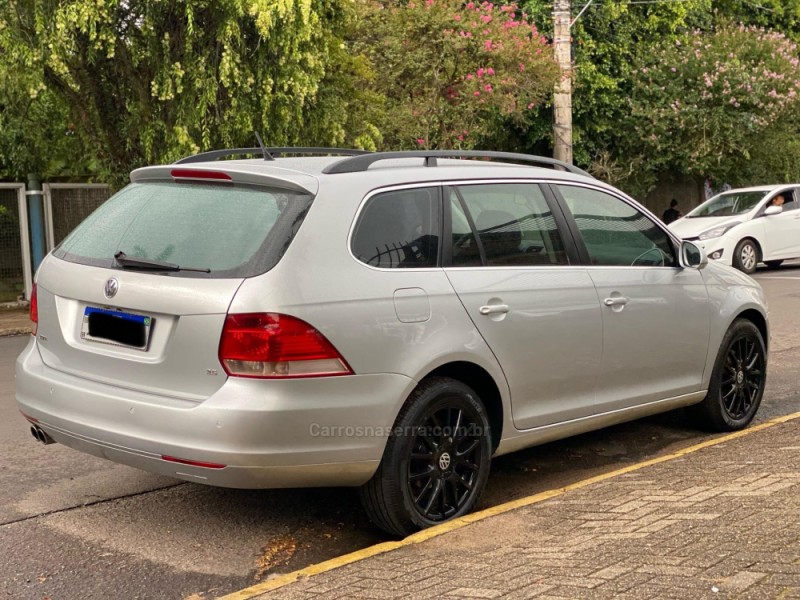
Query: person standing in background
x=672, y=213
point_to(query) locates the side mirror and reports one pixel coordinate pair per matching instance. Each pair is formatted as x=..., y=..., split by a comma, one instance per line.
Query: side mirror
x=773, y=210
x=693, y=256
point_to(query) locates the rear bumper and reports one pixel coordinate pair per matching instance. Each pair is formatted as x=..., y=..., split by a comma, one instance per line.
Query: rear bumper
x=301, y=433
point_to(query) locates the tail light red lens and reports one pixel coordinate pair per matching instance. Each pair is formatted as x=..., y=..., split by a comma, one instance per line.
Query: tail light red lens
x=34, y=311
x=200, y=175
x=270, y=345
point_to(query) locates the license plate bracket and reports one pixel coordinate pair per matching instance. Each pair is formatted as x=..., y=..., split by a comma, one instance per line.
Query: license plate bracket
x=117, y=328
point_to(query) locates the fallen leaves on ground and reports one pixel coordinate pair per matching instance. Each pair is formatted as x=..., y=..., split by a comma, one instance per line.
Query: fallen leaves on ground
x=277, y=553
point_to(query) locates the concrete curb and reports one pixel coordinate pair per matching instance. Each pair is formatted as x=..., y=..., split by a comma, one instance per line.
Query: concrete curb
x=15, y=331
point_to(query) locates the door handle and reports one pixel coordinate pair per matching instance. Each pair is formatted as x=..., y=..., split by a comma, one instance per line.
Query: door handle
x=494, y=309
x=616, y=301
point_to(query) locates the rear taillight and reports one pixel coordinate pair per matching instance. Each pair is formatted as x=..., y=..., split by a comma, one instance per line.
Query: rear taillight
x=34, y=311
x=270, y=345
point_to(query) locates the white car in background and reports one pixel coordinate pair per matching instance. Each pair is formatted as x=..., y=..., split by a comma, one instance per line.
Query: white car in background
x=742, y=227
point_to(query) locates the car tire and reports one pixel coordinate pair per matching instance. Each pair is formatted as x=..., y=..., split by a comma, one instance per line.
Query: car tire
x=773, y=264
x=436, y=461
x=737, y=381
x=746, y=256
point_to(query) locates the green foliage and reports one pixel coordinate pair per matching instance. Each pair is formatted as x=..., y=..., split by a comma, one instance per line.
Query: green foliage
x=450, y=72
x=607, y=38
x=699, y=105
x=780, y=15
x=94, y=88
x=149, y=81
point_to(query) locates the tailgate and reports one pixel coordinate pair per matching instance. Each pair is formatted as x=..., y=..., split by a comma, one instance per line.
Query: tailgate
x=184, y=318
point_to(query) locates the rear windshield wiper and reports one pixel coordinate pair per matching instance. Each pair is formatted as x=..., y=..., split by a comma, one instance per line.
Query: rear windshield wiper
x=134, y=262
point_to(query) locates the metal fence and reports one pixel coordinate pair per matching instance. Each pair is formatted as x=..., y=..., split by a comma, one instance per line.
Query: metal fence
x=67, y=204
x=15, y=271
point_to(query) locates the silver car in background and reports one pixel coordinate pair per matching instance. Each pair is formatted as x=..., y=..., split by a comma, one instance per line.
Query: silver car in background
x=384, y=320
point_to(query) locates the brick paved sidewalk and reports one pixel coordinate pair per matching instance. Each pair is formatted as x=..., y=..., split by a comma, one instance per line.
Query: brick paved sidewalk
x=722, y=522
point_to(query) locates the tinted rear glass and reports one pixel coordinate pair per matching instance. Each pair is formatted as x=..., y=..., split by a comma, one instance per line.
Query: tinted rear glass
x=399, y=230
x=235, y=231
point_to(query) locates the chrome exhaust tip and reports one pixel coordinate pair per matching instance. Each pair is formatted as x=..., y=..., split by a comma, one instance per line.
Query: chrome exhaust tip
x=39, y=434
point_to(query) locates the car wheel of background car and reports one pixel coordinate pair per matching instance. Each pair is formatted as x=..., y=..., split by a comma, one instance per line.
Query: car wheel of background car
x=436, y=461
x=773, y=264
x=737, y=382
x=745, y=257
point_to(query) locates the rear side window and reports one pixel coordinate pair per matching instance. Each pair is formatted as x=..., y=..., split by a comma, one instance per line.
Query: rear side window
x=399, y=230
x=235, y=231
x=514, y=225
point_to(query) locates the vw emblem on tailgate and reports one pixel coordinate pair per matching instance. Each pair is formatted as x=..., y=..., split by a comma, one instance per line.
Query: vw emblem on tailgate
x=111, y=288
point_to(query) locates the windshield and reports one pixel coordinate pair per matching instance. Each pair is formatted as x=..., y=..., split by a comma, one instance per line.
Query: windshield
x=727, y=205
x=222, y=231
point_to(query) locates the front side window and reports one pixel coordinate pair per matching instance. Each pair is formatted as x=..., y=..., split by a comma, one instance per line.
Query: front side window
x=513, y=223
x=727, y=205
x=614, y=232
x=399, y=230
x=789, y=200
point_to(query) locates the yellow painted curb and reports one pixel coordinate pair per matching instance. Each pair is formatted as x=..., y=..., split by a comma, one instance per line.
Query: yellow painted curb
x=436, y=531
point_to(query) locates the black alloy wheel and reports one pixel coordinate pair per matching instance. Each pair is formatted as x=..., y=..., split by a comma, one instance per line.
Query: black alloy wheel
x=737, y=381
x=436, y=460
x=742, y=377
x=444, y=462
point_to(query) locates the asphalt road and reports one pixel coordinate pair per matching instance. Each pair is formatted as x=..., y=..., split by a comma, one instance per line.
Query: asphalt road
x=73, y=526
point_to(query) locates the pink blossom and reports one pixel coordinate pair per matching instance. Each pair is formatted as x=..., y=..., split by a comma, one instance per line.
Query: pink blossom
x=490, y=71
x=457, y=17
x=476, y=94
x=420, y=141
x=530, y=106
x=470, y=77
x=480, y=72
x=487, y=87
x=461, y=138
x=488, y=44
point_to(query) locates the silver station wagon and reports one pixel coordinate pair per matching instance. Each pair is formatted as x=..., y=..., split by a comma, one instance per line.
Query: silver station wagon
x=323, y=317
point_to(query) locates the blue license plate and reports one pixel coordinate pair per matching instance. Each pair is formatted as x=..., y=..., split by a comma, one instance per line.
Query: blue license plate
x=108, y=326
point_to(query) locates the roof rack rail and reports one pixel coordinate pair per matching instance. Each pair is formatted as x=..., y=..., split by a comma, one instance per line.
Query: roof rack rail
x=268, y=153
x=355, y=164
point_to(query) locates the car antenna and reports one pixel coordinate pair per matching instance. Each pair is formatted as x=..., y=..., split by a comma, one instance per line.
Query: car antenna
x=267, y=155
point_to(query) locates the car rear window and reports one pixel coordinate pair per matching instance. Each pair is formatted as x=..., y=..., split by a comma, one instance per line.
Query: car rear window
x=234, y=231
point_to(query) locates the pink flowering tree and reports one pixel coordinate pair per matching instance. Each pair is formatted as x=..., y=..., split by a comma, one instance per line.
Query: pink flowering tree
x=451, y=71
x=718, y=104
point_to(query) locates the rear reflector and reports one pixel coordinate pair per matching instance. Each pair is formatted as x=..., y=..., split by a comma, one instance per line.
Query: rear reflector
x=198, y=174
x=193, y=463
x=31, y=419
x=34, y=311
x=270, y=345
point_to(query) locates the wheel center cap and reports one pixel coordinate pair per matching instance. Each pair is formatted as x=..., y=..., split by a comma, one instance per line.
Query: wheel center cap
x=740, y=377
x=444, y=461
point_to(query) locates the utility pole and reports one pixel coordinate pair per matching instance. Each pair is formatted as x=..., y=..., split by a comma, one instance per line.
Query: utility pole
x=562, y=97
